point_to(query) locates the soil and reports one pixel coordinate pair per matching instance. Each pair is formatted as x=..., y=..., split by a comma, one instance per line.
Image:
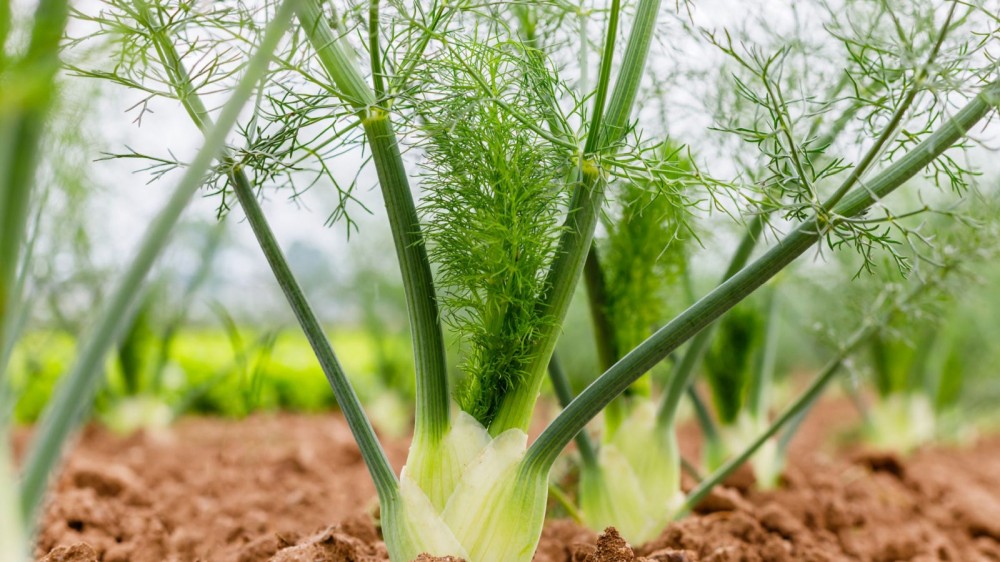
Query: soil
x=268, y=488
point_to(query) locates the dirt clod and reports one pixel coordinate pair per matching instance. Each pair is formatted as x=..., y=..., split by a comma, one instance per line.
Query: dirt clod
x=722, y=498
x=611, y=547
x=80, y=552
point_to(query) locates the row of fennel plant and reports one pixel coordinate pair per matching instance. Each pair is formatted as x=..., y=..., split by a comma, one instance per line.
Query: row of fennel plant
x=516, y=169
x=796, y=143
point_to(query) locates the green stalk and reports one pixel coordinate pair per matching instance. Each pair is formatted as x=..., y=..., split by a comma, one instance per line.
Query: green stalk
x=22, y=125
x=16, y=317
x=528, y=23
x=763, y=369
x=73, y=397
x=593, y=274
x=432, y=414
x=630, y=75
x=605, y=336
x=372, y=452
x=683, y=371
x=564, y=393
x=709, y=430
x=597, y=298
x=697, y=317
x=785, y=439
x=604, y=78
x=375, y=51
x=578, y=232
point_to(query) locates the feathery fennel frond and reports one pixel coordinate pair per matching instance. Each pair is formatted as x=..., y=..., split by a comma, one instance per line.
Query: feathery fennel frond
x=494, y=193
x=645, y=250
x=296, y=125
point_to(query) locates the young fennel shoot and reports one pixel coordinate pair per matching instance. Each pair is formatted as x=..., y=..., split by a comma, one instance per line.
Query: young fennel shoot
x=739, y=370
x=913, y=372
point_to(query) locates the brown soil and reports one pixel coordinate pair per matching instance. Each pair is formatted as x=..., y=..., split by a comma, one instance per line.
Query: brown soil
x=267, y=488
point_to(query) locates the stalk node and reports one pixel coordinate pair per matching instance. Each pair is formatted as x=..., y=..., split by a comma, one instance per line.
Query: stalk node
x=373, y=114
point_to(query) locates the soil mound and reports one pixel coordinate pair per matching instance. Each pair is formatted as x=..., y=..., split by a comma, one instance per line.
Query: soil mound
x=266, y=489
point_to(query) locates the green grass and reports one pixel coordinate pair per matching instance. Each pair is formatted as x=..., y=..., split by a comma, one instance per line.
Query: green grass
x=202, y=373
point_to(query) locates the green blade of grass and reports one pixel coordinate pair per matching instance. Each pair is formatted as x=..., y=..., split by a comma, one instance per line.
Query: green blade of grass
x=72, y=399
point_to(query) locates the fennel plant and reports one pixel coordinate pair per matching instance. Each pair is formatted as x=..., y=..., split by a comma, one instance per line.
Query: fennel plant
x=739, y=370
x=915, y=358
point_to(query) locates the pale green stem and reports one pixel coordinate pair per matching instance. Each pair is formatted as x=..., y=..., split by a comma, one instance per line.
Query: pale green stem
x=375, y=50
x=709, y=429
x=22, y=125
x=432, y=414
x=597, y=298
x=560, y=384
x=604, y=78
x=763, y=369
